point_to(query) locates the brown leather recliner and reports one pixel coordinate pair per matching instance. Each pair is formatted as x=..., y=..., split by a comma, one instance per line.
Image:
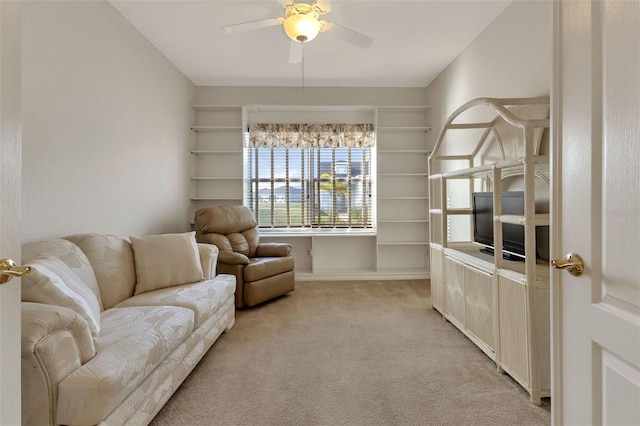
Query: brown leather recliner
x=263, y=271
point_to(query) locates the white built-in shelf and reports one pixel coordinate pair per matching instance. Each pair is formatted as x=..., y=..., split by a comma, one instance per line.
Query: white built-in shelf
x=403, y=243
x=403, y=174
x=403, y=198
x=403, y=221
x=218, y=108
x=216, y=128
x=419, y=272
x=403, y=108
x=404, y=151
x=216, y=199
x=394, y=129
x=216, y=178
x=215, y=152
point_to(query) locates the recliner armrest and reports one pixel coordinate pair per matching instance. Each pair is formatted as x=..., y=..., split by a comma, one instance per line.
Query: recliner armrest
x=273, y=250
x=232, y=258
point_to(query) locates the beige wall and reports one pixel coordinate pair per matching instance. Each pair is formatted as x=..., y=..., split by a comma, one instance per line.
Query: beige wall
x=106, y=119
x=309, y=96
x=105, y=126
x=10, y=135
x=511, y=58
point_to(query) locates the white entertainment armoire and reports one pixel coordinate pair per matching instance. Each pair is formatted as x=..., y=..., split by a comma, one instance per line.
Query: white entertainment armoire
x=494, y=145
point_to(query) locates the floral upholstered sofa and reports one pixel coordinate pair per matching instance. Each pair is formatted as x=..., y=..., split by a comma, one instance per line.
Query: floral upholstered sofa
x=112, y=326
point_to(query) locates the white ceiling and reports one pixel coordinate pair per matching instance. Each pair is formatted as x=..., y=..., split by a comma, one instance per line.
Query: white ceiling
x=413, y=41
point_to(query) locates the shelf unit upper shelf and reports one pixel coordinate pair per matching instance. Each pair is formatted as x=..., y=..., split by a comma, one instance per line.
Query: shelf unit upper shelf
x=216, y=128
x=397, y=129
x=216, y=178
x=539, y=162
x=404, y=151
x=216, y=108
x=403, y=174
x=403, y=108
x=403, y=198
x=403, y=243
x=214, y=152
x=216, y=199
x=403, y=220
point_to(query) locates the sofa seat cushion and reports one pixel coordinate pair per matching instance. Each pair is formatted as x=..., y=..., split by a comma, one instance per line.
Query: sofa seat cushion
x=265, y=267
x=203, y=298
x=133, y=342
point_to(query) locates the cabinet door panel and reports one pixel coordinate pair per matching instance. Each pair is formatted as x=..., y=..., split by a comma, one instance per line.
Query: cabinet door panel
x=479, y=304
x=454, y=285
x=513, y=327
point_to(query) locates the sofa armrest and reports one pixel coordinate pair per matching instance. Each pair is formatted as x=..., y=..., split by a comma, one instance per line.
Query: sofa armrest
x=273, y=250
x=55, y=342
x=232, y=258
x=209, y=259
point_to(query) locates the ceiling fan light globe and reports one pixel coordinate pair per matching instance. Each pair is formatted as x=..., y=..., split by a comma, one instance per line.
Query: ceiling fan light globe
x=302, y=28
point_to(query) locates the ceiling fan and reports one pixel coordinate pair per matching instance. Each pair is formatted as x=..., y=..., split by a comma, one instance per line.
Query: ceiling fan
x=302, y=23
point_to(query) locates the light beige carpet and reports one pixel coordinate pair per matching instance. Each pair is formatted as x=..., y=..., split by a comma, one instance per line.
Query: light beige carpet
x=348, y=353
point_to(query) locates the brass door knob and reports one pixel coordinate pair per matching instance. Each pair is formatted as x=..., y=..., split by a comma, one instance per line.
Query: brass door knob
x=572, y=262
x=9, y=269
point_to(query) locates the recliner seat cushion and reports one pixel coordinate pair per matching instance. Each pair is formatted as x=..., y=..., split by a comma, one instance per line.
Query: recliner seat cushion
x=264, y=267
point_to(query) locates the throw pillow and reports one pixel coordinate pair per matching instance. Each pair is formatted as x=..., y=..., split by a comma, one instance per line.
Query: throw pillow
x=51, y=281
x=166, y=260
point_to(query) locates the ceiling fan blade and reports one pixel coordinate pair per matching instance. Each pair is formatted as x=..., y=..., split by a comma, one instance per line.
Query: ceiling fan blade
x=324, y=5
x=295, y=52
x=347, y=34
x=251, y=25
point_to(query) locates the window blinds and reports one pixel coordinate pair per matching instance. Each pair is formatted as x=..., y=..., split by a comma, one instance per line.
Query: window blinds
x=316, y=178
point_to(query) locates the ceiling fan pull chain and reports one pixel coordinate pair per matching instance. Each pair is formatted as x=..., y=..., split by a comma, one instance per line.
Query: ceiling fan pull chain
x=302, y=67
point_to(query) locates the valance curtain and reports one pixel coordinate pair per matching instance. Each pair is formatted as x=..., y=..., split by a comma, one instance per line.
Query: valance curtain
x=266, y=135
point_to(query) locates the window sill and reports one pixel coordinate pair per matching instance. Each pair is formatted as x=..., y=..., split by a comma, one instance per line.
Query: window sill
x=268, y=232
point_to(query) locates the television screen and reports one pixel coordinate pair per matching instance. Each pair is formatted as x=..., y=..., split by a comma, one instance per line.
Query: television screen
x=512, y=235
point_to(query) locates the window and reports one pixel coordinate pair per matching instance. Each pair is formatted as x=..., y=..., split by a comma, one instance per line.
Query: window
x=310, y=176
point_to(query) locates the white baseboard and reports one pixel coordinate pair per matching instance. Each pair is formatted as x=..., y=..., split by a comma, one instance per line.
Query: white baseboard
x=360, y=276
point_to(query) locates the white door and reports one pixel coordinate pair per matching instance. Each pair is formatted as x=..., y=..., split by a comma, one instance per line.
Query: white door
x=596, y=212
x=10, y=159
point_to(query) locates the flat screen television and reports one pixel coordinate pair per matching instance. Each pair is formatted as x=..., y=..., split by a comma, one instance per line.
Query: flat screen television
x=512, y=235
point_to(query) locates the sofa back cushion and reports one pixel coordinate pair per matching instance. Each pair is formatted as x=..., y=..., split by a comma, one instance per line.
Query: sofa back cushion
x=68, y=253
x=112, y=260
x=166, y=260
